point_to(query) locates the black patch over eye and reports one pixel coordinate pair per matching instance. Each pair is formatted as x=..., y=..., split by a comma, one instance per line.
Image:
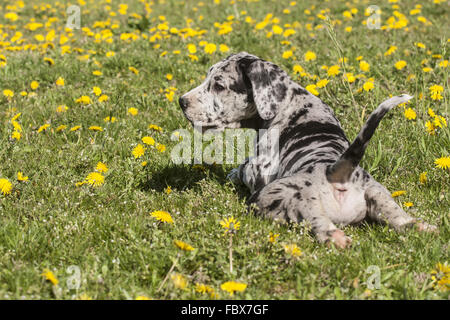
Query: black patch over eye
x=218, y=87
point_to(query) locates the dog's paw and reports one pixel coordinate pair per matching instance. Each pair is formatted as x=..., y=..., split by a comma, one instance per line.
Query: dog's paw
x=339, y=239
x=425, y=227
x=233, y=176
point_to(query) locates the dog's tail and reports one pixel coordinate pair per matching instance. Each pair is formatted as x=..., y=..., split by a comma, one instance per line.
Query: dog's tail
x=343, y=168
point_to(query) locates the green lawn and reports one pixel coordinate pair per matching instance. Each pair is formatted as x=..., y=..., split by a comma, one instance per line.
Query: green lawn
x=118, y=249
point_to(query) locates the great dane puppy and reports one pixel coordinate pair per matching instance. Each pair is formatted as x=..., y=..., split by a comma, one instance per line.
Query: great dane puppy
x=317, y=175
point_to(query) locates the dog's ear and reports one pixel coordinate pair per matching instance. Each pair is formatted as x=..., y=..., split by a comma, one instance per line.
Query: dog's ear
x=266, y=82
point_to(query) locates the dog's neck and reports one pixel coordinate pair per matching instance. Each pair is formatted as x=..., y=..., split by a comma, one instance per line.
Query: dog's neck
x=296, y=98
x=254, y=123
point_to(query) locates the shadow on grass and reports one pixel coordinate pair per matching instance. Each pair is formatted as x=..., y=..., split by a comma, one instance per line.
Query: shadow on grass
x=186, y=177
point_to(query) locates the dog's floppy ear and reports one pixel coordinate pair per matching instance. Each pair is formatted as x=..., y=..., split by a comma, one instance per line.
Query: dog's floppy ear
x=266, y=81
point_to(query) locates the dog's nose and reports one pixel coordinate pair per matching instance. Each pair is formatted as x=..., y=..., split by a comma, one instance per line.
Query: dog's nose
x=183, y=103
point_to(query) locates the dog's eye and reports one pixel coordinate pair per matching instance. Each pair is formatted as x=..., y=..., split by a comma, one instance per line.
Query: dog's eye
x=218, y=87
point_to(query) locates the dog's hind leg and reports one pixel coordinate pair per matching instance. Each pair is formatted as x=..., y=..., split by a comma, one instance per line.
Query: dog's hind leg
x=381, y=207
x=286, y=200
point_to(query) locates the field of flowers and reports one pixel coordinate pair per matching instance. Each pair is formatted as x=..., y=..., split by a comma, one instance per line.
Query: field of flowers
x=92, y=207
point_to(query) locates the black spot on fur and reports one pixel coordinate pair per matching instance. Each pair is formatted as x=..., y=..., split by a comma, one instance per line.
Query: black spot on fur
x=297, y=115
x=280, y=91
x=275, y=204
x=238, y=87
x=299, y=91
x=311, y=128
x=273, y=74
x=291, y=186
x=307, y=183
x=310, y=169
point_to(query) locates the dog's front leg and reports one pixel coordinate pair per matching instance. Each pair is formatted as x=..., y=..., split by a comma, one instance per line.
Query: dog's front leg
x=382, y=208
x=255, y=173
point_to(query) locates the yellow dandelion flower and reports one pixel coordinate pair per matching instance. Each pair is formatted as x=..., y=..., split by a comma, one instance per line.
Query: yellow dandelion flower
x=143, y=298
x=5, y=186
x=103, y=98
x=441, y=277
x=423, y=178
x=95, y=128
x=368, y=85
x=97, y=73
x=50, y=61
x=21, y=177
x=442, y=163
x=97, y=91
x=138, y=151
x=61, y=128
x=183, y=245
x=431, y=129
x=148, y=141
x=162, y=216
x=8, y=93
x=230, y=225
x=203, y=288
x=273, y=237
x=292, y=250
x=287, y=54
x=134, y=70
x=84, y=296
x=232, y=286
x=398, y=193
x=390, y=51
x=133, y=111
x=210, y=48
x=322, y=83
x=160, y=147
x=179, y=281
x=60, y=82
x=95, y=179
x=44, y=127
x=298, y=69
x=75, y=128
x=101, y=167
x=410, y=114
x=431, y=113
x=312, y=89
x=191, y=48
x=155, y=127
x=84, y=100
x=48, y=275
x=435, y=92
x=364, y=66
x=16, y=135
x=333, y=70
x=408, y=204
x=34, y=85
x=399, y=65
x=62, y=108
x=224, y=48
x=310, y=56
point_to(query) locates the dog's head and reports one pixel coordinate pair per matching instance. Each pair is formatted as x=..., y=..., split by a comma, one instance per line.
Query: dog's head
x=237, y=89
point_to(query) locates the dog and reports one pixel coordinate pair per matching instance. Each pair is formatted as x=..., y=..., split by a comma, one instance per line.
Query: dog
x=317, y=176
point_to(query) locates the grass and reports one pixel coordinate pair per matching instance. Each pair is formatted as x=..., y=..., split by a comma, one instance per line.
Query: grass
x=121, y=251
